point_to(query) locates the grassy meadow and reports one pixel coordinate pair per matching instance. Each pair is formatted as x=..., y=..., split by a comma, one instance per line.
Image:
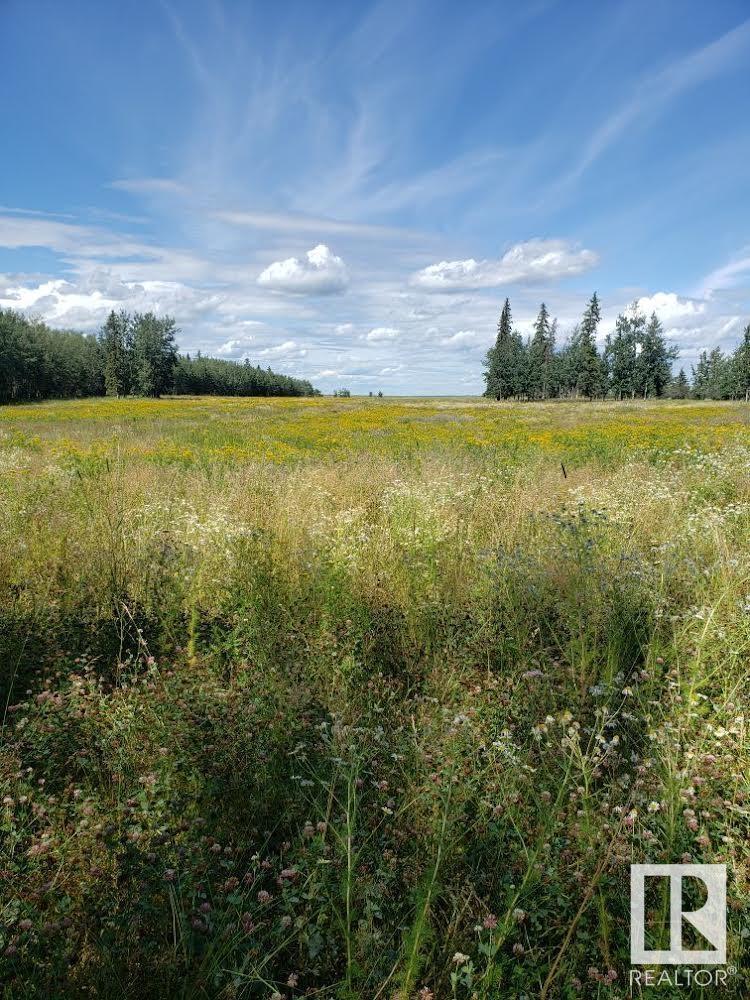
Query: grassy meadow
x=365, y=698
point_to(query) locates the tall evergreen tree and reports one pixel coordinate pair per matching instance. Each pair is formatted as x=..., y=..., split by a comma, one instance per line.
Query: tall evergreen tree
x=586, y=371
x=498, y=360
x=114, y=339
x=504, y=363
x=679, y=387
x=653, y=366
x=713, y=376
x=741, y=365
x=540, y=352
x=621, y=353
x=154, y=354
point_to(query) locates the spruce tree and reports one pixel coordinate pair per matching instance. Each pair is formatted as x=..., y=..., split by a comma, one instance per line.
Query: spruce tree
x=741, y=366
x=498, y=358
x=539, y=355
x=502, y=361
x=154, y=354
x=586, y=371
x=621, y=353
x=116, y=346
x=679, y=387
x=653, y=367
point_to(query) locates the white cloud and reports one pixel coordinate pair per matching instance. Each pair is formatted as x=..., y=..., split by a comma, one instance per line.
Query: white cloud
x=87, y=245
x=85, y=302
x=285, y=222
x=534, y=260
x=727, y=276
x=465, y=339
x=658, y=90
x=382, y=333
x=670, y=308
x=235, y=348
x=150, y=185
x=290, y=348
x=321, y=272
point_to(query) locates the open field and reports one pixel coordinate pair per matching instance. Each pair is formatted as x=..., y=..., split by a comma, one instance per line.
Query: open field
x=365, y=698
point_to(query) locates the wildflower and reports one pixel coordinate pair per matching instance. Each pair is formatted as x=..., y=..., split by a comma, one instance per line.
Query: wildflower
x=459, y=958
x=263, y=896
x=490, y=922
x=518, y=949
x=292, y=980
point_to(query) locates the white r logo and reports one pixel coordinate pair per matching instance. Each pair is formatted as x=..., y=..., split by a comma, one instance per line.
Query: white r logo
x=710, y=920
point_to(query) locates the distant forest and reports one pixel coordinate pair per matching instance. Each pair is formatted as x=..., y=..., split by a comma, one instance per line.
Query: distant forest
x=132, y=355
x=636, y=362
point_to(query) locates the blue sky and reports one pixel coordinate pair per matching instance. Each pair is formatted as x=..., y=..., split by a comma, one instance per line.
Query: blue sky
x=347, y=191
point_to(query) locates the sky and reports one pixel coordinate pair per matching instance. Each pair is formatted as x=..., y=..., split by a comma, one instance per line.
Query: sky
x=348, y=191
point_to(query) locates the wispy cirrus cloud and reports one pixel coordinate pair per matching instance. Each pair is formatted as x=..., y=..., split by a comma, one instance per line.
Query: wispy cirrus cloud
x=727, y=276
x=656, y=91
x=151, y=185
x=291, y=222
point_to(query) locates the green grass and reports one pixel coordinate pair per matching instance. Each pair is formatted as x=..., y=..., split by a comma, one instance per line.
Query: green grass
x=364, y=698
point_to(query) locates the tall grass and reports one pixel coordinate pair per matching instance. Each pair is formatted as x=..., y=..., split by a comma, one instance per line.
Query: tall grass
x=343, y=699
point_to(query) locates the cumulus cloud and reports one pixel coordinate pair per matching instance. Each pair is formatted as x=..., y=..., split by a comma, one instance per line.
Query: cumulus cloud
x=382, y=333
x=671, y=309
x=464, y=339
x=534, y=260
x=290, y=348
x=320, y=272
x=86, y=301
x=236, y=347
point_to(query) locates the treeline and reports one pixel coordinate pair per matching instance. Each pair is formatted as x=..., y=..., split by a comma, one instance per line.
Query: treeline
x=201, y=376
x=636, y=362
x=132, y=355
x=39, y=363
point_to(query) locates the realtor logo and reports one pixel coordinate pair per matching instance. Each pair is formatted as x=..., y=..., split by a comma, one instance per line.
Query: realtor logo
x=710, y=920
